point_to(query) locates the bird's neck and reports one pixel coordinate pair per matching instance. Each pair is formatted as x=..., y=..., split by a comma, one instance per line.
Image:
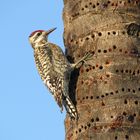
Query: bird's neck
x=41, y=43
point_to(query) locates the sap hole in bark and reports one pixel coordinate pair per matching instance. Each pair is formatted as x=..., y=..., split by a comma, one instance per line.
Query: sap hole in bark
x=133, y=73
x=91, y=97
x=111, y=93
x=95, y=127
x=93, y=36
x=102, y=96
x=92, y=120
x=129, y=89
x=74, y=15
x=71, y=40
x=104, y=5
x=120, y=50
x=86, y=6
x=101, y=67
x=117, y=71
x=127, y=137
x=111, y=116
x=105, y=51
x=103, y=104
x=86, y=97
x=133, y=91
x=76, y=42
x=93, y=6
x=117, y=91
x=106, y=94
x=99, y=51
x=136, y=102
x=114, y=32
x=131, y=118
x=99, y=34
x=97, y=119
x=87, y=38
x=107, y=62
x=79, y=130
x=82, y=9
x=85, y=127
x=93, y=67
x=109, y=49
x=124, y=113
x=90, y=3
x=98, y=4
x=109, y=2
x=138, y=71
x=114, y=47
x=120, y=2
x=77, y=14
x=116, y=137
x=82, y=126
x=87, y=70
x=108, y=33
x=123, y=89
x=129, y=1
x=122, y=71
x=88, y=125
x=134, y=114
x=93, y=52
x=101, y=78
x=139, y=89
x=79, y=55
x=125, y=101
x=126, y=71
x=83, y=98
x=126, y=52
x=130, y=71
x=123, y=32
x=136, y=2
x=107, y=75
x=76, y=132
x=97, y=97
x=112, y=4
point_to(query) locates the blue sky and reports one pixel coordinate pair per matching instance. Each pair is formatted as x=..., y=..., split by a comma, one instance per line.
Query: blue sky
x=27, y=110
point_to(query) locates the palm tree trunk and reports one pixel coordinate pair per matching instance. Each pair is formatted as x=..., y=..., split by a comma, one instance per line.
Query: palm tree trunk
x=106, y=89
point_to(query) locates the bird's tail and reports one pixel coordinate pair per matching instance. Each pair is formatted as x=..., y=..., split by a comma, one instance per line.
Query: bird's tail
x=70, y=108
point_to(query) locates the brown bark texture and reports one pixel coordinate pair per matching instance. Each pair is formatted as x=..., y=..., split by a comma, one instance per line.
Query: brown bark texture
x=106, y=90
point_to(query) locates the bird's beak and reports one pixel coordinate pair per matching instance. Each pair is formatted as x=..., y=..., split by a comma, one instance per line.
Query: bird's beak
x=49, y=31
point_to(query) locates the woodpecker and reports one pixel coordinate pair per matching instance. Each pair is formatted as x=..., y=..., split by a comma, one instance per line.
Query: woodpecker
x=54, y=68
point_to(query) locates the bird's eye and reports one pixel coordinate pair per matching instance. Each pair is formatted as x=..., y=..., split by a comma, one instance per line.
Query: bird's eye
x=38, y=34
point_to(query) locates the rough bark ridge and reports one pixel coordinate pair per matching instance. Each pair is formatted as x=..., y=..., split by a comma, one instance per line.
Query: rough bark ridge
x=107, y=90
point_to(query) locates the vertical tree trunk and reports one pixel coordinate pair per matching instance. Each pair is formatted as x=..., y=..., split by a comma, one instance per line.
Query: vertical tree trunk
x=107, y=87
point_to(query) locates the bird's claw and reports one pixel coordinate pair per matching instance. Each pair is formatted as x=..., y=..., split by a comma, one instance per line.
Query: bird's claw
x=87, y=56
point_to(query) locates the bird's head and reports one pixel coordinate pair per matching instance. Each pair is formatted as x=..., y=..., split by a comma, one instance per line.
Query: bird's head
x=39, y=37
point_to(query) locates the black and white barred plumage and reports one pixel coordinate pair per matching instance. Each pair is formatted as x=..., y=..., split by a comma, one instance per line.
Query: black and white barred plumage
x=54, y=69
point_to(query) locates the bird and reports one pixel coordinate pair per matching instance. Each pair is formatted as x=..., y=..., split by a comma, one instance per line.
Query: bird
x=55, y=69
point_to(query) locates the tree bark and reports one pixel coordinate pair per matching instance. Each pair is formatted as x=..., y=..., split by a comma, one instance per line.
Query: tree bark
x=106, y=89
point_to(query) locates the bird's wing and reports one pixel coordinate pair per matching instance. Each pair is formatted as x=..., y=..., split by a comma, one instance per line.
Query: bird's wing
x=54, y=84
x=39, y=66
x=59, y=58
